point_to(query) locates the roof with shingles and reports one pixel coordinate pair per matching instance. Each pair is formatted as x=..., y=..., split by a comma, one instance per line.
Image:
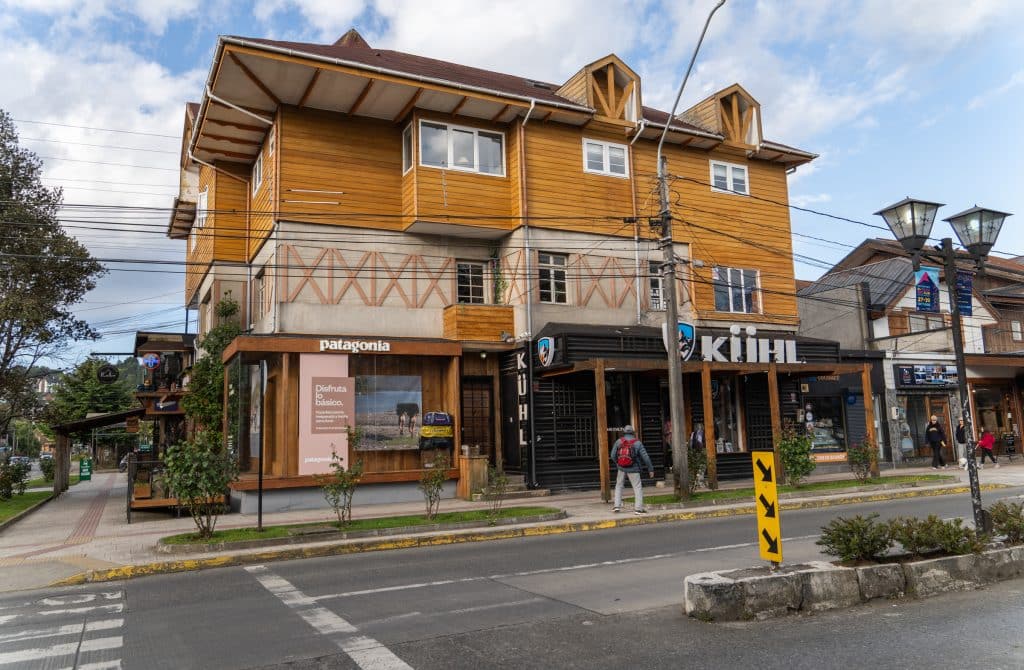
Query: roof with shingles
x=887, y=280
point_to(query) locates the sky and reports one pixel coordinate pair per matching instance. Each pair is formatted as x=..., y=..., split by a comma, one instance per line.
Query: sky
x=919, y=98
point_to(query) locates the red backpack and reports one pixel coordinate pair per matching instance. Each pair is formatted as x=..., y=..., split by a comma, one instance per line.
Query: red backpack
x=624, y=456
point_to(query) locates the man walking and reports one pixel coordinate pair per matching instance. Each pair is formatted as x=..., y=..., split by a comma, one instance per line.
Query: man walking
x=935, y=436
x=628, y=454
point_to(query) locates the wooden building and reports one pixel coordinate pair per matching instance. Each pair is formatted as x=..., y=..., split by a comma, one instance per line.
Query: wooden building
x=425, y=222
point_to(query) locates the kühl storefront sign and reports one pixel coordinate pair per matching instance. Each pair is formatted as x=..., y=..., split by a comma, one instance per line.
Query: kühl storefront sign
x=736, y=349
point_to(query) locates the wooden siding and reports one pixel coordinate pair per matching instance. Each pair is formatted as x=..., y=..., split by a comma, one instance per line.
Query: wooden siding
x=478, y=323
x=576, y=88
x=230, y=221
x=329, y=152
x=261, y=203
x=200, y=242
x=726, y=229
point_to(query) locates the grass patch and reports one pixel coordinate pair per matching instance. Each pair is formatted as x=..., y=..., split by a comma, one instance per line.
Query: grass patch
x=275, y=532
x=40, y=482
x=18, y=504
x=731, y=494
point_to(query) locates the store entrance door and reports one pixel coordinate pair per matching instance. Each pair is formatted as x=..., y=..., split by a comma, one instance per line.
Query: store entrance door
x=477, y=416
x=939, y=406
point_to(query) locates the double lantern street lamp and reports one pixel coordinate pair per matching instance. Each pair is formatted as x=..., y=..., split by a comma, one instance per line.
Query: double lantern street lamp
x=977, y=229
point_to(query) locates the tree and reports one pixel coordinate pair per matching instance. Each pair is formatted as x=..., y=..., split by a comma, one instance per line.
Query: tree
x=204, y=402
x=43, y=273
x=81, y=392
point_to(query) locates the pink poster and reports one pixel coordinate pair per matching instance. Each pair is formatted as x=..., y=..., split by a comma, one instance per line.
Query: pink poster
x=326, y=409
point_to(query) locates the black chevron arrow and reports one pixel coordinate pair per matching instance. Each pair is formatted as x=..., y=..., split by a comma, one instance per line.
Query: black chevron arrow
x=766, y=472
x=773, y=544
x=769, y=507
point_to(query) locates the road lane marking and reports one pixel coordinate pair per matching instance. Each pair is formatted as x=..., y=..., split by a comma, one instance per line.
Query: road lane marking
x=114, y=609
x=66, y=629
x=367, y=652
x=401, y=587
x=494, y=606
x=39, y=653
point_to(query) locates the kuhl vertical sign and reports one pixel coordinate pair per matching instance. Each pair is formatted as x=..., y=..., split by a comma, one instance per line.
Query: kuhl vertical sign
x=766, y=497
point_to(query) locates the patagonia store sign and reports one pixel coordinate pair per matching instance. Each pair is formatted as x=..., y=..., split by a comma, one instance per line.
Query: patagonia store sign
x=747, y=349
x=355, y=346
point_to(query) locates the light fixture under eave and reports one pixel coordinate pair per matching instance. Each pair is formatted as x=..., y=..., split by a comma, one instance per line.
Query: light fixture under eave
x=977, y=229
x=911, y=222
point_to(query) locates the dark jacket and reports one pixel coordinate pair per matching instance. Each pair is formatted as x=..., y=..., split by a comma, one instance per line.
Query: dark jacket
x=640, y=456
x=934, y=434
x=961, y=435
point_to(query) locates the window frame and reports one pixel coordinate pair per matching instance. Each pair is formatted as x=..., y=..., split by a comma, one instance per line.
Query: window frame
x=551, y=268
x=605, y=158
x=449, y=127
x=655, y=287
x=932, y=321
x=1016, y=332
x=257, y=174
x=483, y=282
x=408, y=154
x=729, y=180
x=757, y=304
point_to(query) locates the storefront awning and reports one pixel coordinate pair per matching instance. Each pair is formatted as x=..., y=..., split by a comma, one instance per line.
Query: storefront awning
x=255, y=347
x=633, y=365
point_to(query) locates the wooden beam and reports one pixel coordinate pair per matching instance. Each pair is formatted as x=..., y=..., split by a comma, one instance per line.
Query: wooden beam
x=459, y=106
x=600, y=96
x=232, y=154
x=546, y=117
x=620, y=108
x=408, y=106
x=500, y=114
x=240, y=126
x=254, y=79
x=603, y=455
x=736, y=117
x=775, y=413
x=248, y=108
x=745, y=126
x=869, y=416
x=309, y=87
x=611, y=90
x=709, y=427
x=233, y=140
x=362, y=97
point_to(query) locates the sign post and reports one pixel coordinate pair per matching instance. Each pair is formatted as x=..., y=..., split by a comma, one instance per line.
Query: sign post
x=766, y=497
x=85, y=470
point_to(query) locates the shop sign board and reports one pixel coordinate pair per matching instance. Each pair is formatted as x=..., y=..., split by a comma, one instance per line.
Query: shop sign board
x=107, y=374
x=748, y=349
x=766, y=498
x=131, y=424
x=326, y=409
x=926, y=285
x=85, y=470
x=523, y=396
x=964, y=292
x=925, y=376
x=685, y=339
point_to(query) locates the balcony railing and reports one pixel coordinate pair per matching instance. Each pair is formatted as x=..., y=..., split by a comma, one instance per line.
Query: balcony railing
x=478, y=323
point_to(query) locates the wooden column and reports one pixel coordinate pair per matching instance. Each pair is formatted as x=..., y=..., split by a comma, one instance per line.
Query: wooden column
x=62, y=461
x=709, y=426
x=869, y=416
x=453, y=402
x=290, y=396
x=775, y=411
x=603, y=456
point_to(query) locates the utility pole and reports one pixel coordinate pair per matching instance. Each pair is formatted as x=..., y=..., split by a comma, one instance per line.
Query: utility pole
x=680, y=455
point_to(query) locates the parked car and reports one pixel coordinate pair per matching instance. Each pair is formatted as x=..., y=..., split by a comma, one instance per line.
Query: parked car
x=46, y=456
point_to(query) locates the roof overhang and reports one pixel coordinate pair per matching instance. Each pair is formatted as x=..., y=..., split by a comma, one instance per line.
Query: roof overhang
x=182, y=215
x=457, y=229
x=146, y=342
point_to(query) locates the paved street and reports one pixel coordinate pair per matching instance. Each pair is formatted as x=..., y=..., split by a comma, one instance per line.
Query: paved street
x=575, y=600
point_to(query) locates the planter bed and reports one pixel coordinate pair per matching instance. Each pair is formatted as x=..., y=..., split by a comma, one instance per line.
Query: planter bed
x=760, y=593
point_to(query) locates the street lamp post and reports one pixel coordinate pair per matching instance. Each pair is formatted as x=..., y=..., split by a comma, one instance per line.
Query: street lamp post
x=911, y=222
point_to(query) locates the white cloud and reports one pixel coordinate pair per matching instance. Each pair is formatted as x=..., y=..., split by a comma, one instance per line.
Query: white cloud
x=810, y=199
x=84, y=15
x=1015, y=80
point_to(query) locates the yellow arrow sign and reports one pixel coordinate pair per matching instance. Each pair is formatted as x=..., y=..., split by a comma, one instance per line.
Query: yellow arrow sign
x=769, y=527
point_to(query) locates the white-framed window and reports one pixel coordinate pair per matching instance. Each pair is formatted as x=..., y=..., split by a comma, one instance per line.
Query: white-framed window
x=407, y=149
x=201, y=207
x=551, y=275
x=920, y=322
x=736, y=290
x=1015, y=329
x=443, y=145
x=259, y=293
x=655, y=286
x=729, y=178
x=205, y=315
x=470, y=283
x=257, y=174
x=270, y=142
x=605, y=158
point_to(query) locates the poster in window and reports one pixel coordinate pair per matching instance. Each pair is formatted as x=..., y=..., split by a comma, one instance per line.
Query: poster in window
x=388, y=409
x=326, y=403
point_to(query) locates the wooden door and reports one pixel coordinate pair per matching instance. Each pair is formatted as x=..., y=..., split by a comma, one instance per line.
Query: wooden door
x=939, y=406
x=477, y=414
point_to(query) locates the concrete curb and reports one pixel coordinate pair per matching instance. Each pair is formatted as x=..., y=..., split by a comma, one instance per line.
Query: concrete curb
x=407, y=542
x=759, y=593
x=25, y=512
x=329, y=536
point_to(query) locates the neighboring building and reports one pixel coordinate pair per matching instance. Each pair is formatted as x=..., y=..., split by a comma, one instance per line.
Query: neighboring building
x=868, y=302
x=404, y=233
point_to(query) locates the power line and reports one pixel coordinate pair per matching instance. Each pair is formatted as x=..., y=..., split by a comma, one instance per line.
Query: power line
x=137, y=167
x=106, y=130
x=101, y=146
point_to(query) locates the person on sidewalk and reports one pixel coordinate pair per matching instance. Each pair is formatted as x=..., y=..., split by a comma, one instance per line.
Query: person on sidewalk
x=961, y=440
x=628, y=454
x=986, y=445
x=935, y=436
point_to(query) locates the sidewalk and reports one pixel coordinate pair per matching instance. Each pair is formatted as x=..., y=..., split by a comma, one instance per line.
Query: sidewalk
x=85, y=529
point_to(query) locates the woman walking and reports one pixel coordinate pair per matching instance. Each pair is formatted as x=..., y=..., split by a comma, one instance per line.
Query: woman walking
x=961, y=440
x=986, y=445
x=935, y=436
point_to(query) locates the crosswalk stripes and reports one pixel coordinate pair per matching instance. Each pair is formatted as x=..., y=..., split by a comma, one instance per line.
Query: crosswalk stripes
x=79, y=631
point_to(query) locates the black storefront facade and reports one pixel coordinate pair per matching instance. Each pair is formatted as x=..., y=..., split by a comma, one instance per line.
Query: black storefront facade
x=562, y=410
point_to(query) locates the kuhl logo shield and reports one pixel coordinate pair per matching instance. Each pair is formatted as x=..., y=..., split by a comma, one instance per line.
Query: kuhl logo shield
x=546, y=350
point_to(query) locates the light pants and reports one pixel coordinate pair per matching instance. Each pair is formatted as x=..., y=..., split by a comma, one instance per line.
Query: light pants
x=638, y=489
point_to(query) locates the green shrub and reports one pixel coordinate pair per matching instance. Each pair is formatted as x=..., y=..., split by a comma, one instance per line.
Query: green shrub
x=432, y=483
x=340, y=486
x=13, y=478
x=497, y=489
x=856, y=539
x=1008, y=520
x=861, y=458
x=954, y=538
x=795, y=453
x=917, y=536
x=49, y=468
x=198, y=473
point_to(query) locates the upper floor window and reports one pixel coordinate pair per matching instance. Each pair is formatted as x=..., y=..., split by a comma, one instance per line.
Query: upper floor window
x=656, y=286
x=729, y=177
x=470, y=283
x=201, y=207
x=1015, y=329
x=407, y=148
x=270, y=142
x=458, y=148
x=736, y=290
x=551, y=272
x=259, y=293
x=605, y=158
x=920, y=322
x=257, y=174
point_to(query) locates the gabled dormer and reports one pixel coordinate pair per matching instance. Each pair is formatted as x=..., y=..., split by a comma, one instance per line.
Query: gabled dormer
x=608, y=86
x=732, y=113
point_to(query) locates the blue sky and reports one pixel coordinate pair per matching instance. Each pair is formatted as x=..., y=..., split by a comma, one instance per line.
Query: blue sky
x=912, y=98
